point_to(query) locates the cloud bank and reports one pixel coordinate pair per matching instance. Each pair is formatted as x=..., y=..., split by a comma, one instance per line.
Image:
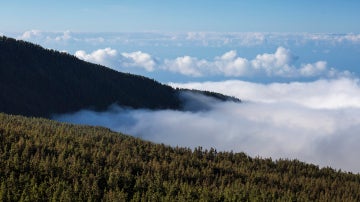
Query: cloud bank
x=47, y=37
x=263, y=55
x=274, y=121
x=203, y=39
x=320, y=94
x=277, y=64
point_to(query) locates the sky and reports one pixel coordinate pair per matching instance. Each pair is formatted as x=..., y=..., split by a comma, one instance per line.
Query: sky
x=294, y=65
x=169, y=16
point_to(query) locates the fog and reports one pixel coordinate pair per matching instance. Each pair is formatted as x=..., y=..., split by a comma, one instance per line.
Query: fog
x=287, y=127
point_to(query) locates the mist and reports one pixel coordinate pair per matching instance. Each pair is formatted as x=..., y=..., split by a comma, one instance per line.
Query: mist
x=278, y=129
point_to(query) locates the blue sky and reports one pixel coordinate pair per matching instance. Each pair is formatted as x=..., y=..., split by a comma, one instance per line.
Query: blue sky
x=201, y=15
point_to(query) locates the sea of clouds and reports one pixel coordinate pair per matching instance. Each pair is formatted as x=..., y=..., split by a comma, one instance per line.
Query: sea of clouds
x=316, y=122
x=313, y=116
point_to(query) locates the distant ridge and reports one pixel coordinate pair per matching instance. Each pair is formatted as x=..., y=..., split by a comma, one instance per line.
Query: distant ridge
x=39, y=82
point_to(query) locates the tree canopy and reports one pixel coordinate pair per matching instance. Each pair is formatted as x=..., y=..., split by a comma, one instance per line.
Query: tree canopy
x=39, y=82
x=45, y=160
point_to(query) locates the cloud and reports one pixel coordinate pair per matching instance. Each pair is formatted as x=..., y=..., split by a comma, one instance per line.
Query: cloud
x=186, y=65
x=320, y=94
x=31, y=34
x=216, y=39
x=247, y=39
x=229, y=64
x=278, y=64
x=268, y=126
x=39, y=36
x=313, y=69
x=64, y=37
x=232, y=40
x=109, y=57
x=95, y=40
x=355, y=38
x=140, y=59
x=333, y=38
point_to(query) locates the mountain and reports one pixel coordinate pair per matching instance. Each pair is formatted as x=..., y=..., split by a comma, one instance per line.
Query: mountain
x=39, y=82
x=43, y=160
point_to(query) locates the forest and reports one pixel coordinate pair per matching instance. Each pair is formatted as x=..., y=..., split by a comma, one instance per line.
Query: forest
x=39, y=82
x=44, y=160
x=35, y=81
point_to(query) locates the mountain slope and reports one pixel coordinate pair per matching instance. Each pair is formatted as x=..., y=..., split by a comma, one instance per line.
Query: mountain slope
x=44, y=160
x=38, y=82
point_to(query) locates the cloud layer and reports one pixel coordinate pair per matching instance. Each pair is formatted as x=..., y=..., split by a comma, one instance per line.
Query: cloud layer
x=197, y=55
x=320, y=94
x=205, y=39
x=277, y=64
x=274, y=121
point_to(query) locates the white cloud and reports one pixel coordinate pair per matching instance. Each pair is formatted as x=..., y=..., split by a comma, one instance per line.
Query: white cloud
x=196, y=36
x=195, y=39
x=278, y=64
x=230, y=65
x=95, y=40
x=318, y=124
x=45, y=37
x=64, y=37
x=140, y=59
x=231, y=55
x=106, y=57
x=320, y=94
x=227, y=64
x=186, y=65
x=109, y=57
x=313, y=69
x=31, y=34
x=216, y=39
x=280, y=58
x=333, y=38
x=355, y=38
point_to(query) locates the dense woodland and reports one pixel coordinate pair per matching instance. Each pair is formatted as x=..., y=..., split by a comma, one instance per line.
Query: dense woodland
x=45, y=160
x=38, y=82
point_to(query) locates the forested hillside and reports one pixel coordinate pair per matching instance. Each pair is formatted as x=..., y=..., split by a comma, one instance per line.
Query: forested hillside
x=45, y=160
x=38, y=82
